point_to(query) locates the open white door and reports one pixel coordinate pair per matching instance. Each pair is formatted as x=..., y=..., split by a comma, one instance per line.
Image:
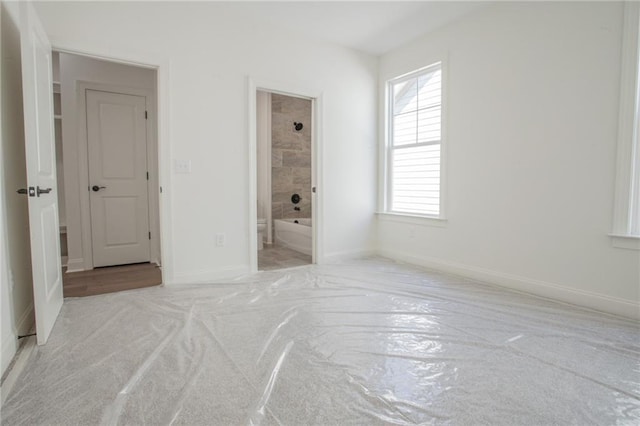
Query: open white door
x=41, y=171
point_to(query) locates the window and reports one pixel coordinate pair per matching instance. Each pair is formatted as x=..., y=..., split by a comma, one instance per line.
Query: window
x=414, y=145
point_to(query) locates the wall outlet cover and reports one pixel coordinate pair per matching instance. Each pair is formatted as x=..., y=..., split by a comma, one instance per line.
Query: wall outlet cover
x=182, y=166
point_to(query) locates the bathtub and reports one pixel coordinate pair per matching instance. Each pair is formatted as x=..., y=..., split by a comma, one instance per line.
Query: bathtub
x=296, y=236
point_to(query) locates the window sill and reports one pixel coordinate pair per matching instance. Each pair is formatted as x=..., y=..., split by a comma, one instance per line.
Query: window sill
x=412, y=219
x=630, y=242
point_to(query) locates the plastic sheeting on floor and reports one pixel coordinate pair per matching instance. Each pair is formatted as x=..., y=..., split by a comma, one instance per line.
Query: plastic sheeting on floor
x=365, y=342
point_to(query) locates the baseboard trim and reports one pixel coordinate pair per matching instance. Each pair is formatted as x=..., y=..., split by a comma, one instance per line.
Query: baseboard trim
x=208, y=276
x=586, y=299
x=9, y=348
x=347, y=255
x=75, y=265
x=19, y=364
x=26, y=321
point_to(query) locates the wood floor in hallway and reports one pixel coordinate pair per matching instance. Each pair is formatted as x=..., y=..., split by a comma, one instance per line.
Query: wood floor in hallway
x=111, y=279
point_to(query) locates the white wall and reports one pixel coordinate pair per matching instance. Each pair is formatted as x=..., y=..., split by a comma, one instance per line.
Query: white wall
x=74, y=70
x=211, y=49
x=532, y=122
x=15, y=254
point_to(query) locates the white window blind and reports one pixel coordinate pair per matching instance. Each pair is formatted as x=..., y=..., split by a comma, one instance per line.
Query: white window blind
x=414, y=149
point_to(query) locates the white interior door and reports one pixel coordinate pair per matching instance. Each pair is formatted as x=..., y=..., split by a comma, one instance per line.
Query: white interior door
x=118, y=177
x=41, y=171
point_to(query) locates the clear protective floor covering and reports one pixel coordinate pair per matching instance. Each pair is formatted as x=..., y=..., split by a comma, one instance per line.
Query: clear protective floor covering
x=364, y=342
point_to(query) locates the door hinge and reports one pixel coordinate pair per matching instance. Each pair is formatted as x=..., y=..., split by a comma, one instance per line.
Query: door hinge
x=146, y=115
x=147, y=175
x=149, y=234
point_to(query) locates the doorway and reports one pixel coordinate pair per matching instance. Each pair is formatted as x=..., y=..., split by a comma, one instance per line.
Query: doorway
x=284, y=170
x=108, y=169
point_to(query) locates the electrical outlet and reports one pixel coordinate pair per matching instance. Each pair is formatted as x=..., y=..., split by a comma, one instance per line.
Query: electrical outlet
x=220, y=240
x=182, y=166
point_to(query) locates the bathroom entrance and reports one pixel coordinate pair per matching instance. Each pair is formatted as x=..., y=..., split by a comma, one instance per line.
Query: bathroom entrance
x=284, y=187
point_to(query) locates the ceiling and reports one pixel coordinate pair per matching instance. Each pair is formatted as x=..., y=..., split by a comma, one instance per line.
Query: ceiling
x=374, y=27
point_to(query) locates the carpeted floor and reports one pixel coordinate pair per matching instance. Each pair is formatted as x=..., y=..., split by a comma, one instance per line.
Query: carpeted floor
x=363, y=342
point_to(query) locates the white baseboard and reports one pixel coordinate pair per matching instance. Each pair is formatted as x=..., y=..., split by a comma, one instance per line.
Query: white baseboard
x=9, y=348
x=587, y=299
x=10, y=343
x=26, y=321
x=18, y=366
x=347, y=255
x=208, y=276
x=75, y=265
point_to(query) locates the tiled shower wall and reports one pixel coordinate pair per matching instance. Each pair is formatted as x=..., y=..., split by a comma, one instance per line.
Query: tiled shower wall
x=290, y=156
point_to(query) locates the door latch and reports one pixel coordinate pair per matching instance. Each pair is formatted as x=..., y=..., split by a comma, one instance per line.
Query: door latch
x=31, y=191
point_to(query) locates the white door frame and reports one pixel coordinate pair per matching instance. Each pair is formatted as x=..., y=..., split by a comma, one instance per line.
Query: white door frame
x=316, y=97
x=162, y=65
x=268, y=215
x=83, y=147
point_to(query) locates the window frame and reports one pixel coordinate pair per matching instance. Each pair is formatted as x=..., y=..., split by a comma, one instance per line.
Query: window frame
x=626, y=209
x=429, y=219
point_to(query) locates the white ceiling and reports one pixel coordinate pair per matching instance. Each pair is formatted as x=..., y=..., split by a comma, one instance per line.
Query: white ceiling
x=374, y=27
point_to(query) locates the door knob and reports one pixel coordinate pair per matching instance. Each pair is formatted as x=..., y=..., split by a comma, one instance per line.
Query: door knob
x=97, y=188
x=42, y=191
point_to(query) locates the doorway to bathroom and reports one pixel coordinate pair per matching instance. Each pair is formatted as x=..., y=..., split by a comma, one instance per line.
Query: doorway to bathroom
x=284, y=184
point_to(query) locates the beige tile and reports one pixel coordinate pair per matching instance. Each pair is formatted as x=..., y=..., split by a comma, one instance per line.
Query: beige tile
x=301, y=175
x=286, y=140
x=283, y=197
x=276, y=210
x=276, y=257
x=276, y=158
x=291, y=214
x=293, y=159
x=281, y=179
x=286, y=111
